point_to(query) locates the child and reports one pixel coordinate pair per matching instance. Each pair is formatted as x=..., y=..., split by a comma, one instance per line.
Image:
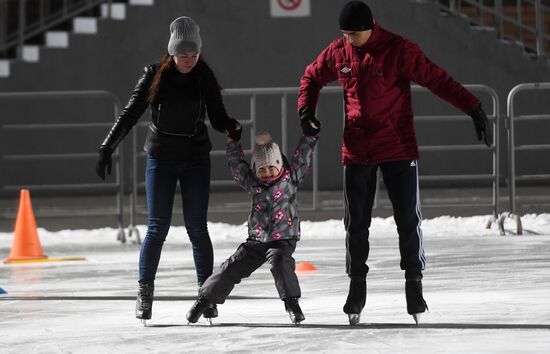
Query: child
x=273, y=224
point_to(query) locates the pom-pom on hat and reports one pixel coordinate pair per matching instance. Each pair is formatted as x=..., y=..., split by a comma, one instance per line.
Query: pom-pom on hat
x=266, y=152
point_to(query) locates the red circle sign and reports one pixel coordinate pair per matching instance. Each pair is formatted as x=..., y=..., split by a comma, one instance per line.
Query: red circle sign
x=289, y=5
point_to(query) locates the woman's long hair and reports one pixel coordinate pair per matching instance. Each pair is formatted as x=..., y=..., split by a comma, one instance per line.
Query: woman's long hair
x=163, y=67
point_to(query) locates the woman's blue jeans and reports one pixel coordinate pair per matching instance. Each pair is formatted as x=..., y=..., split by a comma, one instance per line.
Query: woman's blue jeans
x=161, y=177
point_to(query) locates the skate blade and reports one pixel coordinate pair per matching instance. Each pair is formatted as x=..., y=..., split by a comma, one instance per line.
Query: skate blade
x=294, y=320
x=416, y=317
x=354, y=318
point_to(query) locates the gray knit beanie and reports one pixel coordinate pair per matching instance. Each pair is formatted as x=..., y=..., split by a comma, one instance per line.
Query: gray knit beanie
x=184, y=36
x=266, y=152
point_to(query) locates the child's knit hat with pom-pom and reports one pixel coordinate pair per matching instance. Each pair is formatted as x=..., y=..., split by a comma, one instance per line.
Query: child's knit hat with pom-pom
x=266, y=152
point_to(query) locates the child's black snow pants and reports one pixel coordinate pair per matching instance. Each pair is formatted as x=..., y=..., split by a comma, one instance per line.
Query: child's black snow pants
x=250, y=256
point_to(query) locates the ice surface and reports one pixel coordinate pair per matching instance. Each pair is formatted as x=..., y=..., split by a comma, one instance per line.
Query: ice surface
x=486, y=293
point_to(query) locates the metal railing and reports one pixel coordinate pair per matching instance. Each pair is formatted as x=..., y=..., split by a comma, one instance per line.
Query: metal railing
x=117, y=157
x=21, y=20
x=494, y=176
x=513, y=148
x=284, y=92
x=513, y=20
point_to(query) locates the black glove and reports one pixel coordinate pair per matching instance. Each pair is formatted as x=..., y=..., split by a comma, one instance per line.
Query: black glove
x=104, y=160
x=234, y=130
x=481, y=123
x=310, y=125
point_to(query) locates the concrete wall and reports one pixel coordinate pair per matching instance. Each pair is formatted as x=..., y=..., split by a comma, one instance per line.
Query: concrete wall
x=248, y=48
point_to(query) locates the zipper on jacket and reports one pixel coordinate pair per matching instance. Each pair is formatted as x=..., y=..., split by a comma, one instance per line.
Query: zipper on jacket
x=196, y=120
x=269, y=215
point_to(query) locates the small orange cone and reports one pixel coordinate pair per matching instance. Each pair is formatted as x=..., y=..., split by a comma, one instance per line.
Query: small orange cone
x=26, y=244
x=305, y=267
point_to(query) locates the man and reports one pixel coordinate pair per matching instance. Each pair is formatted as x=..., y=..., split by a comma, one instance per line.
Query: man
x=375, y=68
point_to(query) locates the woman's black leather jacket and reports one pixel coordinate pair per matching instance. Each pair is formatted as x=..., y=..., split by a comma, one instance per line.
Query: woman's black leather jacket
x=177, y=130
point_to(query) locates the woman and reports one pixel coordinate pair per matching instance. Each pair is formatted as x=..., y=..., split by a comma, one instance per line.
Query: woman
x=178, y=90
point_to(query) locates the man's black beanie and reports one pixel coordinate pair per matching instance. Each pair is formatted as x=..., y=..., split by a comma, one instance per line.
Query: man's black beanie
x=356, y=16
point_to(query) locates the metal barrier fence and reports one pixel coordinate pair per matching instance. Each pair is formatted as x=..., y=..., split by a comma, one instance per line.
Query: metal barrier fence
x=284, y=92
x=118, y=157
x=494, y=177
x=513, y=148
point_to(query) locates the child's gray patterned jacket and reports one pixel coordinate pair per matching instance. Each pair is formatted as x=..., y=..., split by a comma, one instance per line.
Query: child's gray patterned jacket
x=274, y=214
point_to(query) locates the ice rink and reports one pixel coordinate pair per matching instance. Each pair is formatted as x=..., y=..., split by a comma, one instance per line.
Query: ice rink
x=486, y=294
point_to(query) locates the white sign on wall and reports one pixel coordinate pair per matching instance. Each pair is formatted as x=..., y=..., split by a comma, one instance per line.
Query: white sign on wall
x=290, y=8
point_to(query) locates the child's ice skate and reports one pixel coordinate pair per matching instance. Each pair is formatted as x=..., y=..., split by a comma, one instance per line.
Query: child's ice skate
x=294, y=310
x=197, y=310
x=355, y=302
x=210, y=312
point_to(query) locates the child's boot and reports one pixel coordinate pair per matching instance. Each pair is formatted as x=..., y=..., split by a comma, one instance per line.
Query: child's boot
x=197, y=310
x=211, y=312
x=293, y=308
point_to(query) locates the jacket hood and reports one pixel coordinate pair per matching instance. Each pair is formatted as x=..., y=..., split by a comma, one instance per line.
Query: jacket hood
x=378, y=39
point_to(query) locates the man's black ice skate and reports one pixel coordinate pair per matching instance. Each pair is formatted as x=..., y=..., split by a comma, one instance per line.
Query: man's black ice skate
x=197, y=310
x=210, y=312
x=416, y=305
x=294, y=311
x=355, y=302
x=144, y=303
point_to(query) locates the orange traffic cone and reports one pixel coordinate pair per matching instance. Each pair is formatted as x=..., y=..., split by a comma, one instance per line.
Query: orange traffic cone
x=26, y=244
x=305, y=267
